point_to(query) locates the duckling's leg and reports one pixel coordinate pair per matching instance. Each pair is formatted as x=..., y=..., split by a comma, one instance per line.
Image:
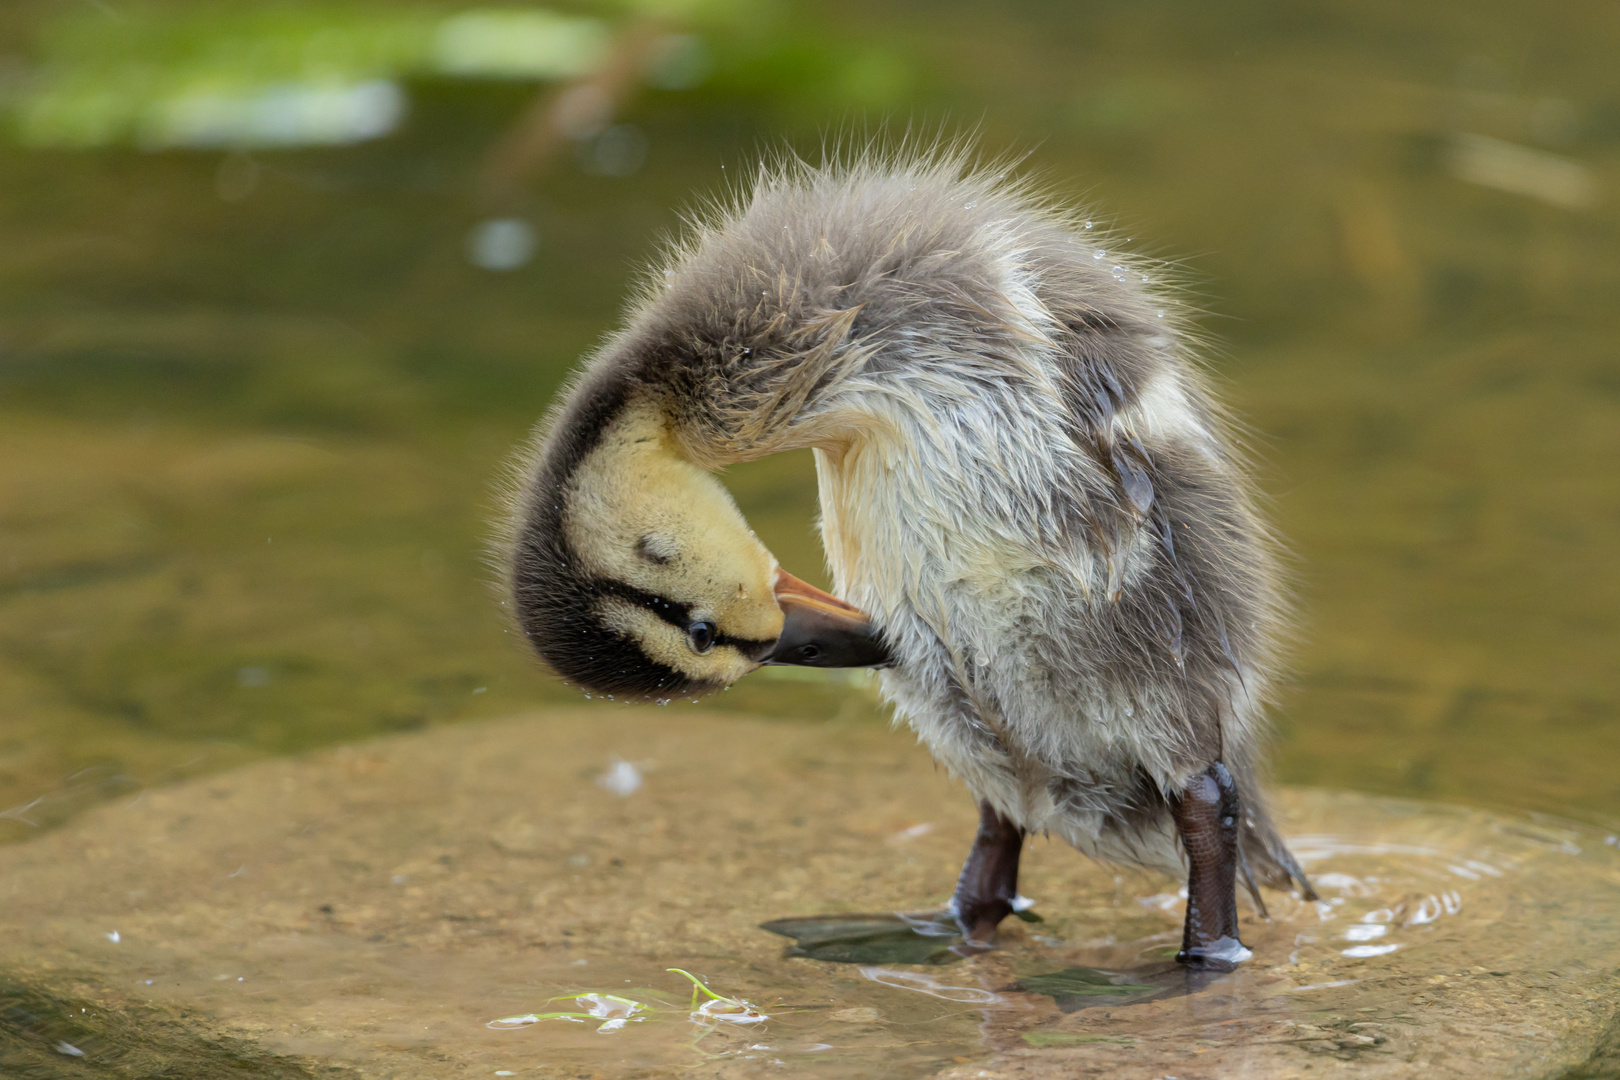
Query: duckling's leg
x=1207, y=816
x=989, y=882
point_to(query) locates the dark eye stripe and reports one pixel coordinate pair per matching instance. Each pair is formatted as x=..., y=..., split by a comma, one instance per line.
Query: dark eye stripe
x=678, y=615
x=673, y=612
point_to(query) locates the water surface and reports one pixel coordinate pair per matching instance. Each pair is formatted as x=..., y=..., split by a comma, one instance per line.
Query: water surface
x=535, y=896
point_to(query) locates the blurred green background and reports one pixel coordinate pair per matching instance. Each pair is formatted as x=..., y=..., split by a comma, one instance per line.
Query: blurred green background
x=282, y=284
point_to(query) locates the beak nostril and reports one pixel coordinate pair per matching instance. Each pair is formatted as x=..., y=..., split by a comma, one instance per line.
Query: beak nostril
x=820, y=630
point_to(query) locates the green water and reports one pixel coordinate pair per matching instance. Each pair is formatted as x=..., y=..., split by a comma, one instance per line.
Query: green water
x=253, y=407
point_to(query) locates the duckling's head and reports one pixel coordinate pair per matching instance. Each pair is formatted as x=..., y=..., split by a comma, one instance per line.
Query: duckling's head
x=634, y=573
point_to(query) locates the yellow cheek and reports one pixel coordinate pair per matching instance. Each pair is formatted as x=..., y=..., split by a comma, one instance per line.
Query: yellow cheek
x=753, y=614
x=634, y=485
x=667, y=645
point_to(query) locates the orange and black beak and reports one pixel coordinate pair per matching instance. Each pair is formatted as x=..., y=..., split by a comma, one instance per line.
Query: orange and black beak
x=820, y=630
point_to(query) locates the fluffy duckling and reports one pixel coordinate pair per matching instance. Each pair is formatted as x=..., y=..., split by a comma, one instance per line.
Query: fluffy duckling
x=1027, y=491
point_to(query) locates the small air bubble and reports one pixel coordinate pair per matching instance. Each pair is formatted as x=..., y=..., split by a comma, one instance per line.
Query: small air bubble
x=971, y=205
x=1099, y=254
x=1161, y=313
x=1090, y=224
x=1130, y=710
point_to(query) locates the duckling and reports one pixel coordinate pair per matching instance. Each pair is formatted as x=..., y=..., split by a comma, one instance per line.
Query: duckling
x=1034, y=509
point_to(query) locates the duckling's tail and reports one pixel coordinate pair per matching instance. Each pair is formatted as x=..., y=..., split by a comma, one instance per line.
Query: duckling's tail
x=1263, y=855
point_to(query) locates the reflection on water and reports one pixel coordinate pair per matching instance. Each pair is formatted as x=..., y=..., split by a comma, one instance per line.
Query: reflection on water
x=1084, y=988
x=929, y=938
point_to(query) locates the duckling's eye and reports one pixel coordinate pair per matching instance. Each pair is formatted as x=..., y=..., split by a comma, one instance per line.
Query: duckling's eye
x=701, y=635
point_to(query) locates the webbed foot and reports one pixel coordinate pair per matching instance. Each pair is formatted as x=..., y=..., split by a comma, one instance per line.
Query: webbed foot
x=989, y=882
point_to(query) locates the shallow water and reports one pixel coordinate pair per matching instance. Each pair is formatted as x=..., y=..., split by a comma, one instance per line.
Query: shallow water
x=424, y=905
x=252, y=404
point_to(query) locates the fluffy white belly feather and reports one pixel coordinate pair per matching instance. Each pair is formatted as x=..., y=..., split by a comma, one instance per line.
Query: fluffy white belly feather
x=975, y=610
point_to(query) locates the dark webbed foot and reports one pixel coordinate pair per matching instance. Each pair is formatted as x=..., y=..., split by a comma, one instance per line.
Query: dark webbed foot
x=989, y=882
x=1207, y=815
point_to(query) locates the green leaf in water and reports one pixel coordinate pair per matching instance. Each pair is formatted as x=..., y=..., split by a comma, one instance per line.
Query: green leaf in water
x=719, y=1007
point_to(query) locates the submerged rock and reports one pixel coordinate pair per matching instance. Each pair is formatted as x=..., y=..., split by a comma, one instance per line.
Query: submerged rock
x=376, y=907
